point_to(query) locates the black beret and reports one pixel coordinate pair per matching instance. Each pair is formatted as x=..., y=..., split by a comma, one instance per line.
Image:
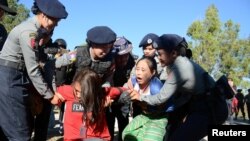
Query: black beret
x=5, y=7
x=52, y=8
x=148, y=39
x=168, y=41
x=61, y=42
x=101, y=35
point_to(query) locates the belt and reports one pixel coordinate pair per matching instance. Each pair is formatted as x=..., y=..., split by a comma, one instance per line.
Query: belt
x=11, y=64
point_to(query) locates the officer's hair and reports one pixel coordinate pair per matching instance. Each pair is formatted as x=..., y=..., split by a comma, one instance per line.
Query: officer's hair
x=189, y=53
x=88, y=42
x=181, y=48
x=34, y=9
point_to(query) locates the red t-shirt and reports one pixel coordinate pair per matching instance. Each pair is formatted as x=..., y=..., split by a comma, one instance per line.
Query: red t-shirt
x=74, y=113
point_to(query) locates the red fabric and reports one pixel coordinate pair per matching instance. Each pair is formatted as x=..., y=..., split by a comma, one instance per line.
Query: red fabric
x=234, y=105
x=114, y=92
x=72, y=139
x=73, y=120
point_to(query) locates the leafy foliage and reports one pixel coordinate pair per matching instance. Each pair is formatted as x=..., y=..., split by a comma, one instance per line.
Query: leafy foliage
x=217, y=47
x=11, y=21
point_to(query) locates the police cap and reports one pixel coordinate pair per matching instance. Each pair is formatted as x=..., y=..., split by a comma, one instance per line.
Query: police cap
x=148, y=39
x=169, y=42
x=101, y=35
x=52, y=8
x=122, y=45
x=239, y=90
x=4, y=6
x=61, y=43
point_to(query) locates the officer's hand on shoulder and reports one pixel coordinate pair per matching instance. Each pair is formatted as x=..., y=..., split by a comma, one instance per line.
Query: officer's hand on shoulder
x=62, y=51
x=58, y=55
x=72, y=56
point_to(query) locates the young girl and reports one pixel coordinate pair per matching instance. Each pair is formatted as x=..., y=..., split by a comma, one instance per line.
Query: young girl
x=150, y=121
x=85, y=103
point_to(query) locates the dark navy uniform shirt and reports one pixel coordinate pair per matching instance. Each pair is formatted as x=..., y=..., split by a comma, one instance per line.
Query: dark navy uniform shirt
x=3, y=36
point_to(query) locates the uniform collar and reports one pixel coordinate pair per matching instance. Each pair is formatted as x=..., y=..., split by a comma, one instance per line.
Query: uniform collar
x=35, y=20
x=156, y=59
x=176, y=62
x=91, y=56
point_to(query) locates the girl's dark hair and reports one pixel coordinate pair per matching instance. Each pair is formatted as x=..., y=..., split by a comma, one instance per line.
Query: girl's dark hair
x=151, y=63
x=92, y=97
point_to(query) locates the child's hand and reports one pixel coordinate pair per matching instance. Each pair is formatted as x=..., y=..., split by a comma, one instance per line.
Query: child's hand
x=108, y=101
x=57, y=99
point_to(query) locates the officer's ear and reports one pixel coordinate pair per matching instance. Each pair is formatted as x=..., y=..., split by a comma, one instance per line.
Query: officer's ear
x=43, y=15
x=174, y=53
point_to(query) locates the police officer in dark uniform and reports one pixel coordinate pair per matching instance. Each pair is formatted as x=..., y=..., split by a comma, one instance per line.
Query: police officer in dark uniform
x=61, y=72
x=240, y=97
x=148, y=50
x=19, y=68
x=61, y=78
x=4, y=8
x=190, y=80
x=98, y=53
x=247, y=101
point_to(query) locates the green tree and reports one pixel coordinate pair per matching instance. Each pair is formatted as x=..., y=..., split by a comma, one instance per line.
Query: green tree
x=11, y=21
x=217, y=47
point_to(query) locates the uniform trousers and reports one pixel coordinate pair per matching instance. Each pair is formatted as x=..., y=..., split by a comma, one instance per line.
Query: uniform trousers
x=42, y=121
x=15, y=112
x=199, y=117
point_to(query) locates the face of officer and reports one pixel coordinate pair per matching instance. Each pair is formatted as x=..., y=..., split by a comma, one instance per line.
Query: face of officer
x=47, y=22
x=149, y=51
x=144, y=72
x=121, y=60
x=166, y=58
x=100, y=51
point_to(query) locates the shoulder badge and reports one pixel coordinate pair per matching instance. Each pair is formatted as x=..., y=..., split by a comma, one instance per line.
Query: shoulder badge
x=32, y=40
